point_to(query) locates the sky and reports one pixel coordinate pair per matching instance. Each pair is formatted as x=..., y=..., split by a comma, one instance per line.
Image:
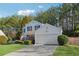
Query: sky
x=8, y=9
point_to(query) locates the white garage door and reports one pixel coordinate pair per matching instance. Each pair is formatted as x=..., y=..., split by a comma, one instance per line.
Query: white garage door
x=46, y=39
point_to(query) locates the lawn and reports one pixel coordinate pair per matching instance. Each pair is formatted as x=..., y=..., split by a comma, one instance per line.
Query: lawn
x=68, y=50
x=4, y=49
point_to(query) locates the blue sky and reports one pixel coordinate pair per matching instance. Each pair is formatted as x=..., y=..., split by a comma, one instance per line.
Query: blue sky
x=9, y=9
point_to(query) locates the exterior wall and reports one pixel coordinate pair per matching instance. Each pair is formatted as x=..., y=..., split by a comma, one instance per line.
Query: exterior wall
x=33, y=24
x=50, y=37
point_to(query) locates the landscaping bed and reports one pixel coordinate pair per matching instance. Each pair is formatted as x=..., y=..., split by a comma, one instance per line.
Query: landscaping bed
x=67, y=50
x=4, y=49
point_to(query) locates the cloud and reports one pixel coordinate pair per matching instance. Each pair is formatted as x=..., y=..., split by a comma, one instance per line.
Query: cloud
x=25, y=12
x=40, y=6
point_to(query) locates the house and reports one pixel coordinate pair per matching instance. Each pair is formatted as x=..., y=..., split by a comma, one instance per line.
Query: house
x=41, y=33
x=30, y=28
x=3, y=38
x=47, y=34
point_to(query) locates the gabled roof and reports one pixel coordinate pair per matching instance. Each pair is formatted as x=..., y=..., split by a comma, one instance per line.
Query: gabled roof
x=33, y=22
x=47, y=28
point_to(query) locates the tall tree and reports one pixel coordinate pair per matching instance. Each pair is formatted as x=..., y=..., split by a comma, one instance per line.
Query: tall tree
x=69, y=15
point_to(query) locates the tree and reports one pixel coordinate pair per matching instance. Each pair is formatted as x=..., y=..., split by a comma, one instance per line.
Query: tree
x=69, y=14
x=25, y=20
x=49, y=16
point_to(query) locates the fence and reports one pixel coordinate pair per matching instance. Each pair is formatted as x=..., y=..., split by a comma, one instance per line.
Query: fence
x=74, y=40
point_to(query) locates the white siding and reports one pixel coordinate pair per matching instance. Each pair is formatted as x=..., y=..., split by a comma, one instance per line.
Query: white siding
x=47, y=35
x=33, y=24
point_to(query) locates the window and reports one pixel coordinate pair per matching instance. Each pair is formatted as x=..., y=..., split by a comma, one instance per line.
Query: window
x=36, y=27
x=29, y=28
x=24, y=30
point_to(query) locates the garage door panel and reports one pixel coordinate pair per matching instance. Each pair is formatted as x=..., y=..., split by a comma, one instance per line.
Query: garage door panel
x=46, y=39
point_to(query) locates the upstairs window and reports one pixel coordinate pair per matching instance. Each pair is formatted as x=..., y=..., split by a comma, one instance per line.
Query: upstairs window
x=29, y=28
x=36, y=27
x=24, y=30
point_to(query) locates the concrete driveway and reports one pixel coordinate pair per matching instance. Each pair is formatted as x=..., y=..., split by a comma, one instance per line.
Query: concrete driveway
x=35, y=50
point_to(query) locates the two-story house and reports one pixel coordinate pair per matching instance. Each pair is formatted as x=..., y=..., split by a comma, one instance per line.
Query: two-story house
x=30, y=28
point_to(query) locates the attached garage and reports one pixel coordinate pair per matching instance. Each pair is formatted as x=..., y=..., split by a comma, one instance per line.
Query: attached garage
x=47, y=34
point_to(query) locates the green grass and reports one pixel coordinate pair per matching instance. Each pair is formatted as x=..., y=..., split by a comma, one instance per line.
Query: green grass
x=68, y=50
x=4, y=49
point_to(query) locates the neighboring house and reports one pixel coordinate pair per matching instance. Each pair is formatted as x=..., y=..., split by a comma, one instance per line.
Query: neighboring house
x=2, y=33
x=30, y=28
x=47, y=34
x=3, y=38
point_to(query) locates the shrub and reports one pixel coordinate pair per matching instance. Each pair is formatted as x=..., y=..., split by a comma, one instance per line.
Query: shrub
x=62, y=39
x=19, y=42
x=69, y=33
x=27, y=42
x=3, y=39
